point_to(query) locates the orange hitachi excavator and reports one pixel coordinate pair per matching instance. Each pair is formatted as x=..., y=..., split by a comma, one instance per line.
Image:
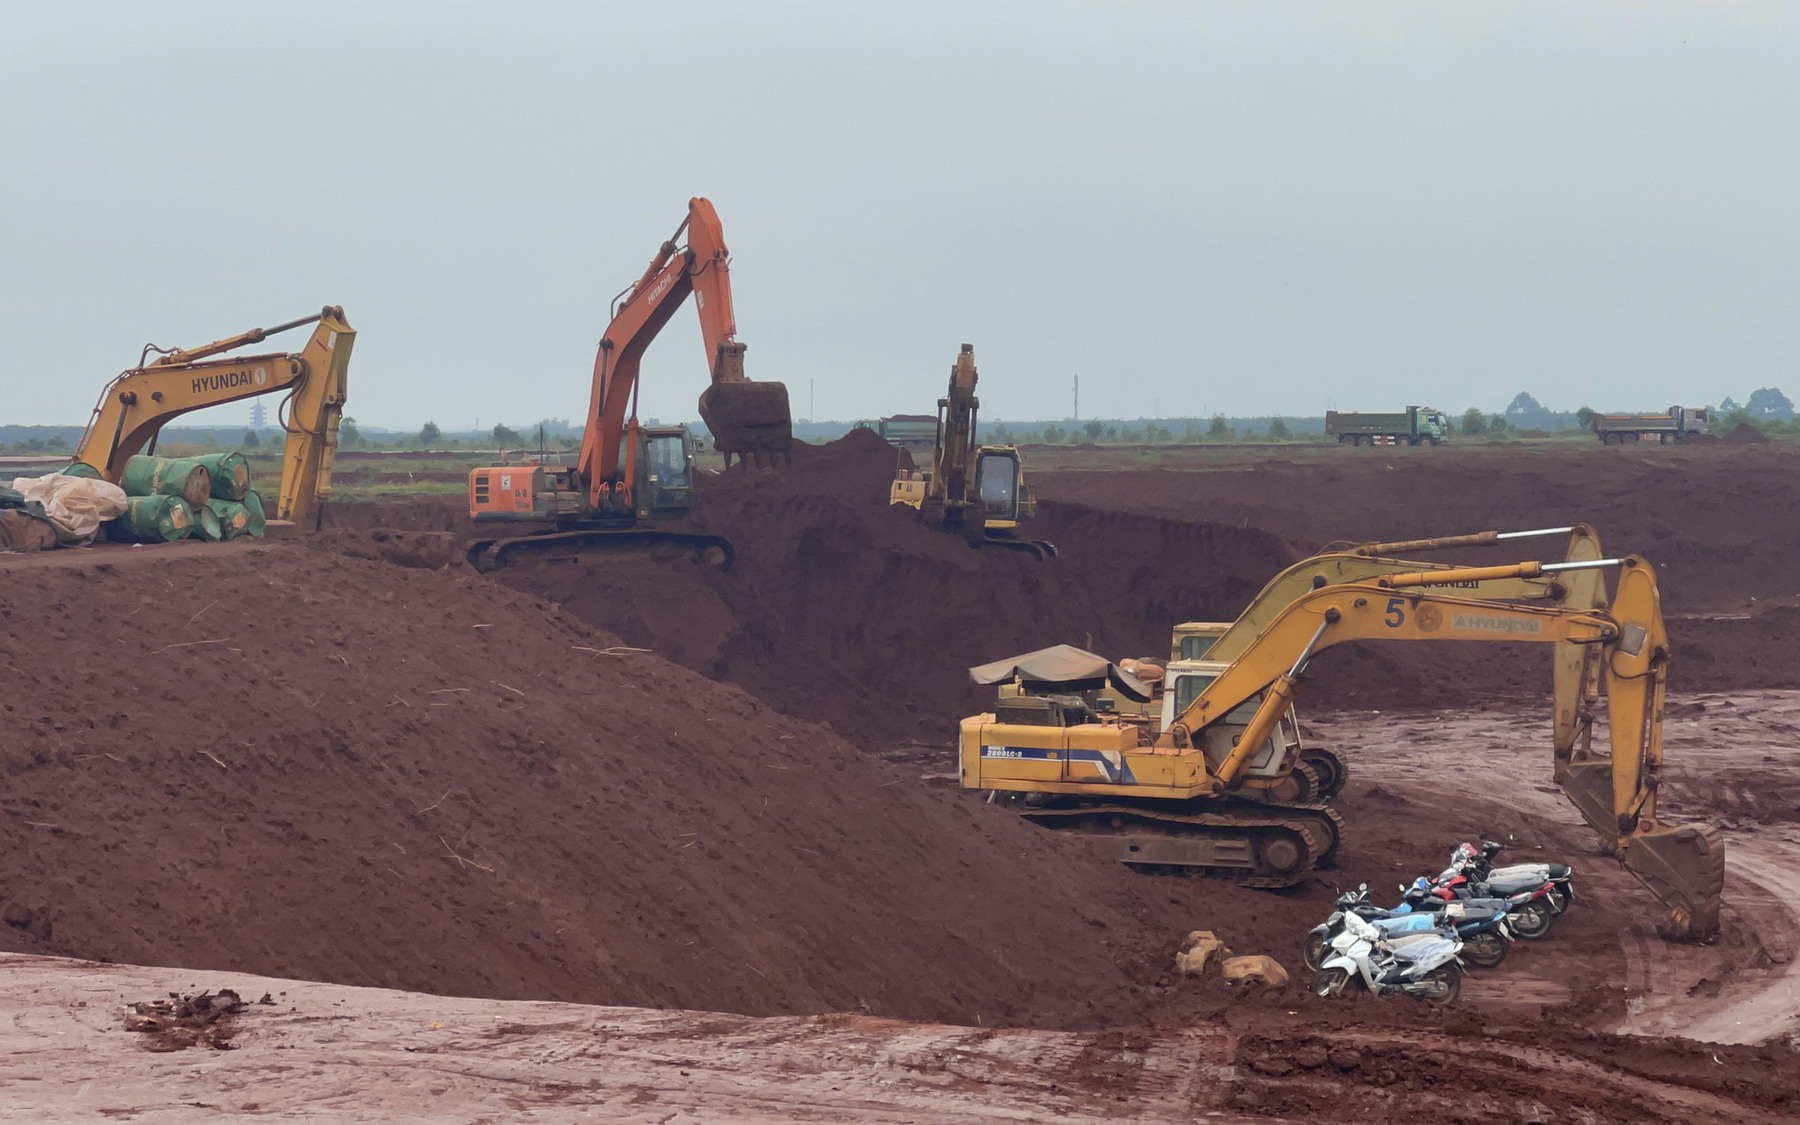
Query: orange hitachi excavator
x=630, y=476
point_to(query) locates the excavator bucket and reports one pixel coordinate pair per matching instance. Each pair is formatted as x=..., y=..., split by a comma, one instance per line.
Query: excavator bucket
x=749, y=420
x=1682, y=865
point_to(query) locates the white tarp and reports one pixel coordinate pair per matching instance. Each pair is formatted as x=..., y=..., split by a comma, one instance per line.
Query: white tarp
x=76, y=505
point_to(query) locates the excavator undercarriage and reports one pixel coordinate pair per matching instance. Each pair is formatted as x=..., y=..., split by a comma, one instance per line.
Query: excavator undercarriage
x=1249, y=843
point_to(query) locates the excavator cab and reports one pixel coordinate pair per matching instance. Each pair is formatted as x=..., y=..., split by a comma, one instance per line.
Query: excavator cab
x=665, y=489
x=997, y=481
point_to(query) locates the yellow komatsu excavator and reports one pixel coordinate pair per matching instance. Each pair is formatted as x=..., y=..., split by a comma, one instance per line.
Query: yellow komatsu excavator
x=134, y=406
x=975, y=490
x=1188, y=801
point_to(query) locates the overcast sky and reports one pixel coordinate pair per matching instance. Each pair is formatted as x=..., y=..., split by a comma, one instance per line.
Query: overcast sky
x=1196, y=207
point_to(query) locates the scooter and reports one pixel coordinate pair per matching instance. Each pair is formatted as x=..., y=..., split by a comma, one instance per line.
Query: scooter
x=1528, y=909
x=1427, y=969
x=1478, y=864
x=1481, y=925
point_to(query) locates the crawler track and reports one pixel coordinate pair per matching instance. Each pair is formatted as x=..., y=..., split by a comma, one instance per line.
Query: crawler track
x=487, y=555
x=1252, y=845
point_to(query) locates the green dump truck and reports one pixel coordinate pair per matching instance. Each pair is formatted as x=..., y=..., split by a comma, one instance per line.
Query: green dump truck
x=1416, y=425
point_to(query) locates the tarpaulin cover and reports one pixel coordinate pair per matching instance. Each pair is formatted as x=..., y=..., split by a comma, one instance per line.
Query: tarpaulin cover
x=1062, y=667
x=76, y=505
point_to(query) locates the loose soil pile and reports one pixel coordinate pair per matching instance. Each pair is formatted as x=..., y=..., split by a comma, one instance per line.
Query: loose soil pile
x=282, y=759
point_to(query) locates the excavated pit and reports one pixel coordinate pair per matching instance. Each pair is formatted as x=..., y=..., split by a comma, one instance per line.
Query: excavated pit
x=347, y=759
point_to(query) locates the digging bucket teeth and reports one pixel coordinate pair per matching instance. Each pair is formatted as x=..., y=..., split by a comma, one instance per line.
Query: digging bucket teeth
x=749, y=420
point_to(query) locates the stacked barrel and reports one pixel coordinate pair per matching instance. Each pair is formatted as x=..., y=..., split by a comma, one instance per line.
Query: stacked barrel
x=170, y=498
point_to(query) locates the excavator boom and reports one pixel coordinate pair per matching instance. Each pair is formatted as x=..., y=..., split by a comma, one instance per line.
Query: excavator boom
x=748, y=420
x=136, y=405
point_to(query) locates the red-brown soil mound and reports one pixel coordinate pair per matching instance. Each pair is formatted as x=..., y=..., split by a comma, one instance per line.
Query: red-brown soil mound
x=279, y=759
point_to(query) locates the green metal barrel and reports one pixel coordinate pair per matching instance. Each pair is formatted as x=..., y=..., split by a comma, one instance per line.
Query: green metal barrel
x=153, y=519
x=206, y=523
x=230, y=474
x=166, y=476
x=240, y=519
x=253, y=506
x=82, y=469
x=233, y=517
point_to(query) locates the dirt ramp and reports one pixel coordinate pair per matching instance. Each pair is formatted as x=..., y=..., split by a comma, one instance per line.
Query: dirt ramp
x=341, y=769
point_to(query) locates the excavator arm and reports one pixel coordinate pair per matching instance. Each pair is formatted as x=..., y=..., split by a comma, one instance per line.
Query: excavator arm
x=1616, y=794
x=1369, y=561
x=136, y=405
x=747, y=420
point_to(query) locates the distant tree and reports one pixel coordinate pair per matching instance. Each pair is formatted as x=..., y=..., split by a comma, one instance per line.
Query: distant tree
x=1001, y=435
x=1769, y=404
x=1219, y=430
x=348, y=435
x=429, y=433
x=1473, y=423
x=1189, y=431
x=1094, y=429
x=1728, y=405
x=1112, y=433
x=1131, y=437
x=1161, y=435
x=1053, y=434
x=1279, y=430
x=59, y=442
x=251, y=441
x=1498, y=425
x=1585, y=417
x=506, y=435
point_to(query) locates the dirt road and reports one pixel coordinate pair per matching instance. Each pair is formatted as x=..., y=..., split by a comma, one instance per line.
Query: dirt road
x=1730, y=760
x=333, y=1053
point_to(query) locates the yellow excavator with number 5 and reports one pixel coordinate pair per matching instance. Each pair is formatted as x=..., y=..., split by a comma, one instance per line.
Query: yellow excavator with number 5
x=1213, y=806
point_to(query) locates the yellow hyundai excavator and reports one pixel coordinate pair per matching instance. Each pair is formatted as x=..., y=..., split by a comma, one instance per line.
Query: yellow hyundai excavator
x=134, y=406
x=975, y=490
x=1186, y=801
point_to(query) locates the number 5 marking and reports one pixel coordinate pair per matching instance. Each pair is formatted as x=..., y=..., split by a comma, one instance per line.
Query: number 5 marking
x=1396, y=613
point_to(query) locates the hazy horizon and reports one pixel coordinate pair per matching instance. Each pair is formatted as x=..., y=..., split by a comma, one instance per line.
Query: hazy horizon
x=1248, y=209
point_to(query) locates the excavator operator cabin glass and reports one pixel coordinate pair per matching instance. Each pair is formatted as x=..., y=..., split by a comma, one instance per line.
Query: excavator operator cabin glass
x=668, y=461
x=998, y=475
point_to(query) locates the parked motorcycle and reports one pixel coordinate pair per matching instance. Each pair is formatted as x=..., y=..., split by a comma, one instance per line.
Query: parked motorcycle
x=1478, y=863
x=1528, y=909
x=1481, y=925
x=1426, y=969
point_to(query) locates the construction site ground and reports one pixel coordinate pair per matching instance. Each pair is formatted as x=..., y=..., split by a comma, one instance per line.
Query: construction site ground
x=640, y=838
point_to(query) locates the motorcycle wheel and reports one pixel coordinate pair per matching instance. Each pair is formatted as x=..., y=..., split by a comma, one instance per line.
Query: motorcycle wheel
x=1560, y=896
x=1331, y=983
x=1484, y=950
x=1531, y=921
x=1312, y=955
x=1441, y=985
